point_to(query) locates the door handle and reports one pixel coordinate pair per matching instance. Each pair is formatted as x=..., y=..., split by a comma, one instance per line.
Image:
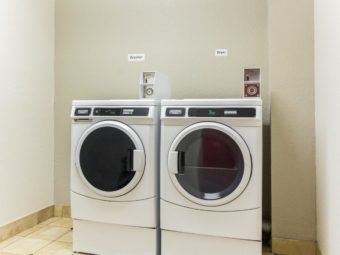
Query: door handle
x=176, y=162
x=135, y=160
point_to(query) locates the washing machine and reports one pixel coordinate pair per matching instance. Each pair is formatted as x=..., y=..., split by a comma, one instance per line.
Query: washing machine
x=114, y=176
x=211, y=176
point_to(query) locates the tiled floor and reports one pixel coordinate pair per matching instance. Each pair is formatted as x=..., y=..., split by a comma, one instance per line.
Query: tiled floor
x=51, y=237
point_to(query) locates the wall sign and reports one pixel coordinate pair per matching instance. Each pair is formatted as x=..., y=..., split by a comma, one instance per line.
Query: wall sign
x=221, y=52
x=136, y=57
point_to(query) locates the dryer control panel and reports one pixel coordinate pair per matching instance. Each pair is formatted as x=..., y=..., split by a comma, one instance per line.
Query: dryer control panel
x=222, y=112
x=233, y=112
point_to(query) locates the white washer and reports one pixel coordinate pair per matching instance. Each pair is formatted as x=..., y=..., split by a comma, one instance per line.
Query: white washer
x=114, y=176
x=211, y=176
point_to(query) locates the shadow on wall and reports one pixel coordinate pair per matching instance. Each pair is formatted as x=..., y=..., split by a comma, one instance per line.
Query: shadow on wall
x=267, y=219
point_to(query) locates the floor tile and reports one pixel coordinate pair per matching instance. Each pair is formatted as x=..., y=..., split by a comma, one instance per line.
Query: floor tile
x=50, y=220
x=9, y=241
x=63, y=222
x=31, y=230
x=51, y=237
x=68, y=237
x=56, y=248
x=50, y=233
x=26, y=246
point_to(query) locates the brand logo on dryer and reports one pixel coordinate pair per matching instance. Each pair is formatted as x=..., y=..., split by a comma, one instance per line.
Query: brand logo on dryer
x=230, y=112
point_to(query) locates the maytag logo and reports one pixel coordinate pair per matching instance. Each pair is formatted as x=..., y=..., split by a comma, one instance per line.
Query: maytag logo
x=230, y=112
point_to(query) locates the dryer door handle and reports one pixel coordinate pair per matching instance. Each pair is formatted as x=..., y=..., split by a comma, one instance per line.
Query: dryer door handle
x=136, y=160
x=176, y=162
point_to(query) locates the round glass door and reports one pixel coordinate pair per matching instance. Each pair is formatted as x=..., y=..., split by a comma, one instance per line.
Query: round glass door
x=110, y=158
x=210, y=164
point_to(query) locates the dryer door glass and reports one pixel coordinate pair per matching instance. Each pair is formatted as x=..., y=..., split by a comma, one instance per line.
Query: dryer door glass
x=106, y=159
x=210, y=164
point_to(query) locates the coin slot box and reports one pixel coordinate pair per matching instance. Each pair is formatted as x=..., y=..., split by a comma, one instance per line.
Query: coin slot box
x=252, y=82
x=154, y=85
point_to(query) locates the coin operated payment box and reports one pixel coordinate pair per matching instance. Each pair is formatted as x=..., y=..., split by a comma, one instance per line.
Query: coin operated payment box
x=252, y=82
x=154, y=85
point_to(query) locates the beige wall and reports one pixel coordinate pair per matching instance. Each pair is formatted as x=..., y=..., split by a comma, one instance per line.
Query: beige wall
x=327, y=104
x=291, y=78
x=93, y=39
x=26, y=103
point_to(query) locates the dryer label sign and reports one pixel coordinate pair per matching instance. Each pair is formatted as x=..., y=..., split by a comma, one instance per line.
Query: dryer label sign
x=221, y=52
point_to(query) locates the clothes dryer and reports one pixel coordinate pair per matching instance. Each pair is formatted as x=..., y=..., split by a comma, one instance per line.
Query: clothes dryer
x=211, y=176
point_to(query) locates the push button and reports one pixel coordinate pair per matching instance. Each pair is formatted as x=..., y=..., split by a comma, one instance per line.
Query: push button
x=82, y=112
x=175, y=112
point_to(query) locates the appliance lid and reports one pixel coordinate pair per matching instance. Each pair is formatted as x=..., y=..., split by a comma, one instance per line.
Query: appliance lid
x=119, y=102
x=214, y=102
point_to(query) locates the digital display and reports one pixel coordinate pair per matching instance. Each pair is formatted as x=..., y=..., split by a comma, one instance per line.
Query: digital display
x=107, y=111
x=212, y=112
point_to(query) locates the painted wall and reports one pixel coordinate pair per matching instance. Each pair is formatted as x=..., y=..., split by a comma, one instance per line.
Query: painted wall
x=26, y=106
x=291, y=78
x=327, y=104
x=178, y=37
x=93, y=39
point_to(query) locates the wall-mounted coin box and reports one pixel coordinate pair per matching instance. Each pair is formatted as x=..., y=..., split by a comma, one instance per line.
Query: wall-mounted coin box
x=154, y=85
x=252, y=82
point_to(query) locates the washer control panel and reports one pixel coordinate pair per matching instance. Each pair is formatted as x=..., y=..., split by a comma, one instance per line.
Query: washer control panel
x=112, y=111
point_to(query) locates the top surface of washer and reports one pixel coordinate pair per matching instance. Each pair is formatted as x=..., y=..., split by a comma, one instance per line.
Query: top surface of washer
x=214, y=102
x=119, y=102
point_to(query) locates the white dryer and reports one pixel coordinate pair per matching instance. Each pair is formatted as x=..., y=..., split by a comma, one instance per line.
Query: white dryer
x=114, y=176
x=211, y=176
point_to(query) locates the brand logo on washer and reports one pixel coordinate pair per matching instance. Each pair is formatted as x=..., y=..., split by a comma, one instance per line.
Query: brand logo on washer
x=228, y=112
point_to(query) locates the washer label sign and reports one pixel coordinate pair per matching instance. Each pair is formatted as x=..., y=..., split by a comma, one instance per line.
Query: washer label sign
x=136, y=57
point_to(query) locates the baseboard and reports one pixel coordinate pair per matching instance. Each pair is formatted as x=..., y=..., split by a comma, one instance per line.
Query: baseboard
x=33, y=219
x=293, y=247
x=62, y=211
x=26, y=222
x=318, y=251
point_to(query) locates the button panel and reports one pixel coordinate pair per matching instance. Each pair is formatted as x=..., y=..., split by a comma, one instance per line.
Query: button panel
x=82, y=112
x=121, y=112
x=223, y=112
x=175, y=112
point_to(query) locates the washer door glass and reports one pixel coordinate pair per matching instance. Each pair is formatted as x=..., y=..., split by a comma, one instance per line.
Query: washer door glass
x=211, y=163
x=107, y=155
